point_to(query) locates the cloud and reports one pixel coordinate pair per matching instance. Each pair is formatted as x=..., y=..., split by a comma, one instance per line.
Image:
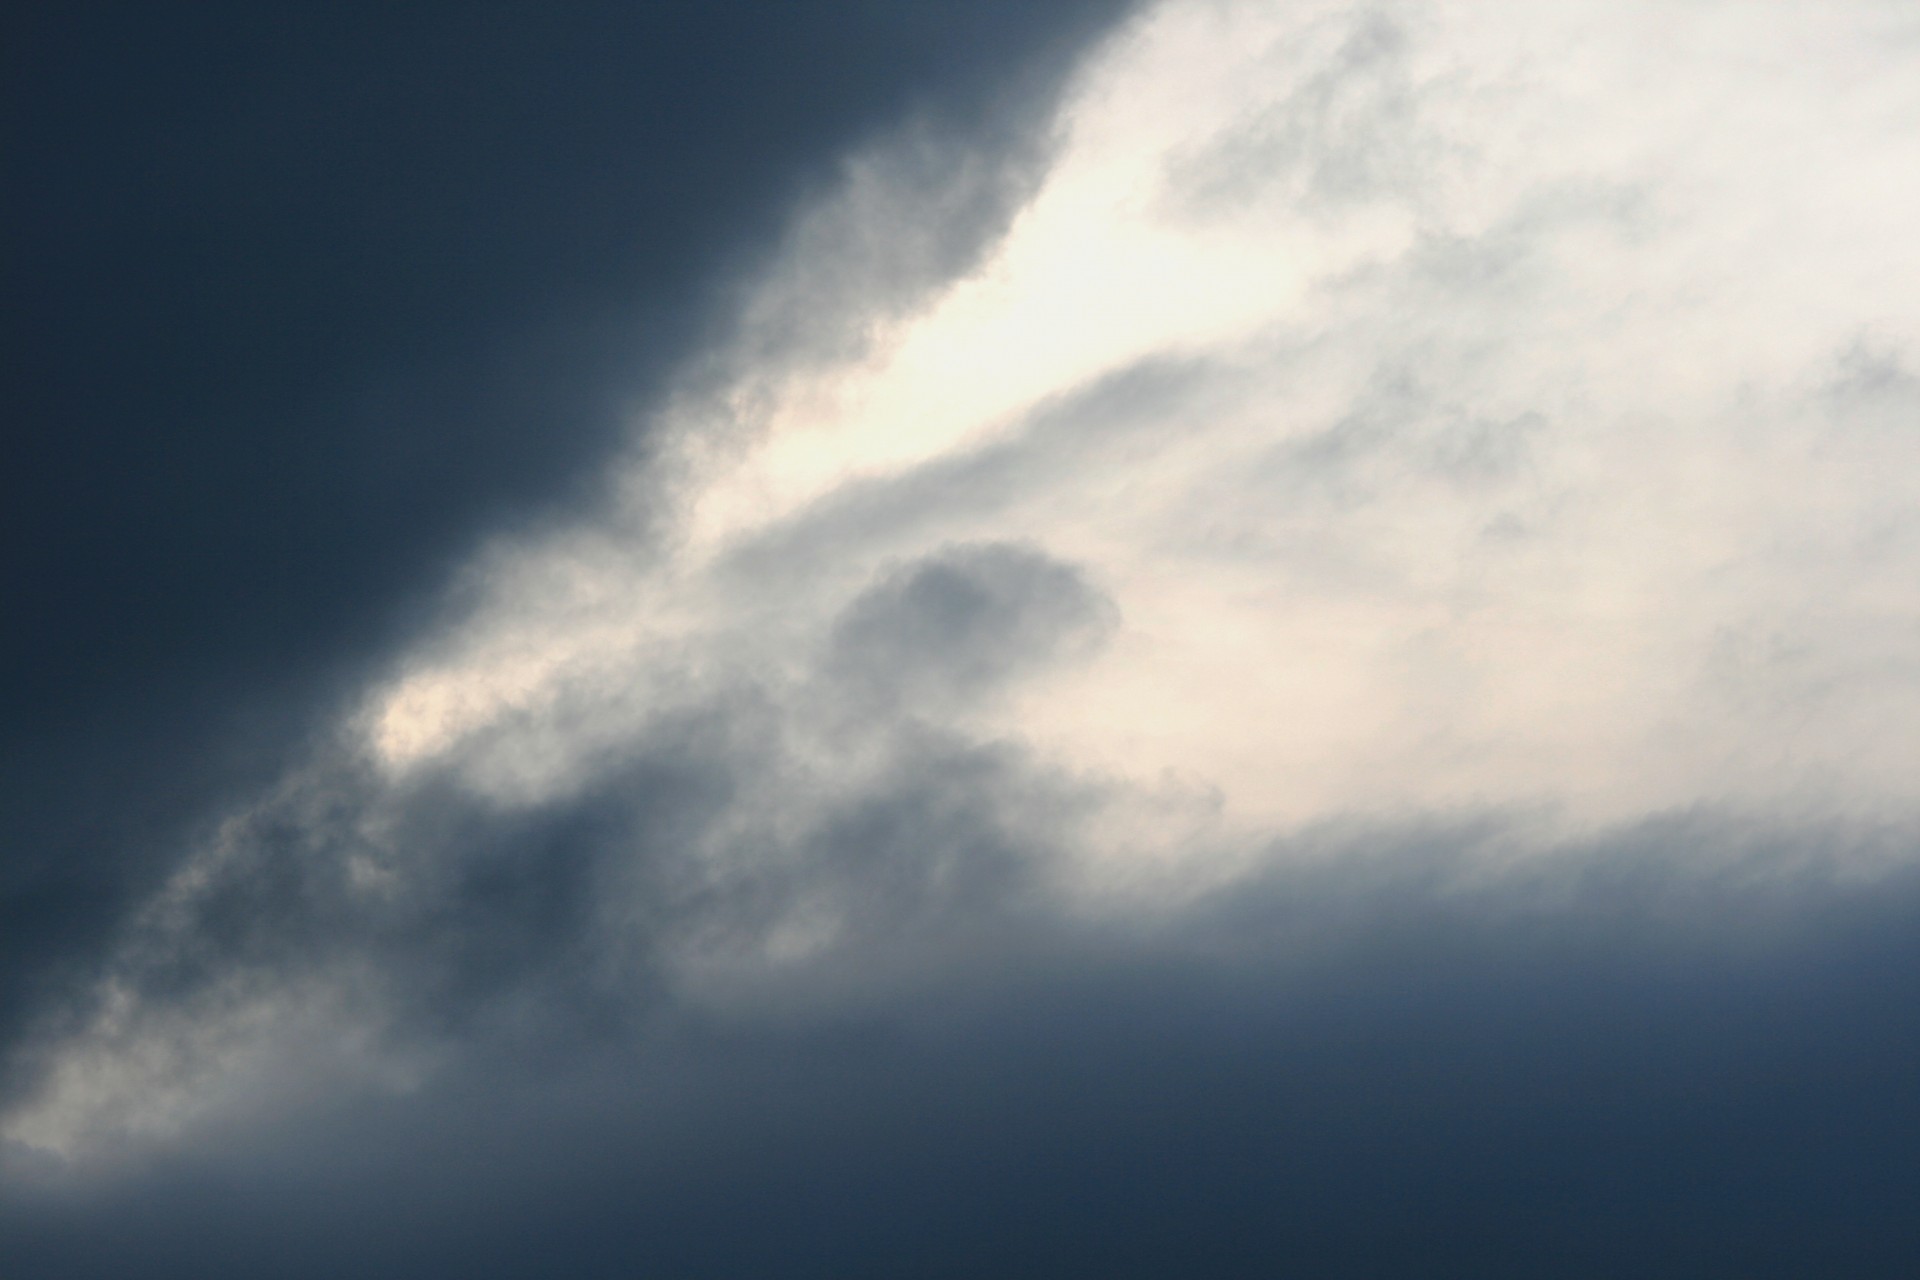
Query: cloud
x=951, y=627
x=1362, y=638
x=1328, y=469
x=1385, y=1059
x=310, y=303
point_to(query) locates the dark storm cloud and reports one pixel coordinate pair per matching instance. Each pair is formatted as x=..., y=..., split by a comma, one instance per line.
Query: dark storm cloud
x=402, y=920
x=1389, y=1064
x=870, y=1037
x=939, y=853
x=303, y=298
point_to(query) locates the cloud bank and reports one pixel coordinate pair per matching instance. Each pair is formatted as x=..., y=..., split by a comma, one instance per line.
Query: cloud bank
x=1373, y=613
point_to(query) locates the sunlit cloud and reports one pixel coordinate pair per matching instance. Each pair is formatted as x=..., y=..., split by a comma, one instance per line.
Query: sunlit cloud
x=1502, y=418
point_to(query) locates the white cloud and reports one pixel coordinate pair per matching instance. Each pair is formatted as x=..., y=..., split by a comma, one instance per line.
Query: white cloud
x=1508, y=432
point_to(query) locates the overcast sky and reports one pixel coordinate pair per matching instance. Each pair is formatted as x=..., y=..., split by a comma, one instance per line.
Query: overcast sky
x=1205, y=637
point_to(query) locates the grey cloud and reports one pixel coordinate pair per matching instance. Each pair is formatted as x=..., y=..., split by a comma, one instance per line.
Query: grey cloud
x=1872, y=386
x=1399, y=431
x=1629, y=1060
x=1118, y=415
x=905, y=217
x=426, y=907
x=955, y=625
x=789, y=973
x=1351, y=132
x=413, y=916
x=1409, y=422
x=310, y=301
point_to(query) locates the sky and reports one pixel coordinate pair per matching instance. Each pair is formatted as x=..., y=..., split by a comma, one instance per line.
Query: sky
x=1205, y=637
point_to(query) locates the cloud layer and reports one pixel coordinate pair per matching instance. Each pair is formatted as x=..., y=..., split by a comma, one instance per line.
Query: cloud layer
x=1337, y=604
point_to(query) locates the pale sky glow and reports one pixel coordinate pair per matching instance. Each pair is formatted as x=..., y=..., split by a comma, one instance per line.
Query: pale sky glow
x=1441, y=409
x=1514, y=535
